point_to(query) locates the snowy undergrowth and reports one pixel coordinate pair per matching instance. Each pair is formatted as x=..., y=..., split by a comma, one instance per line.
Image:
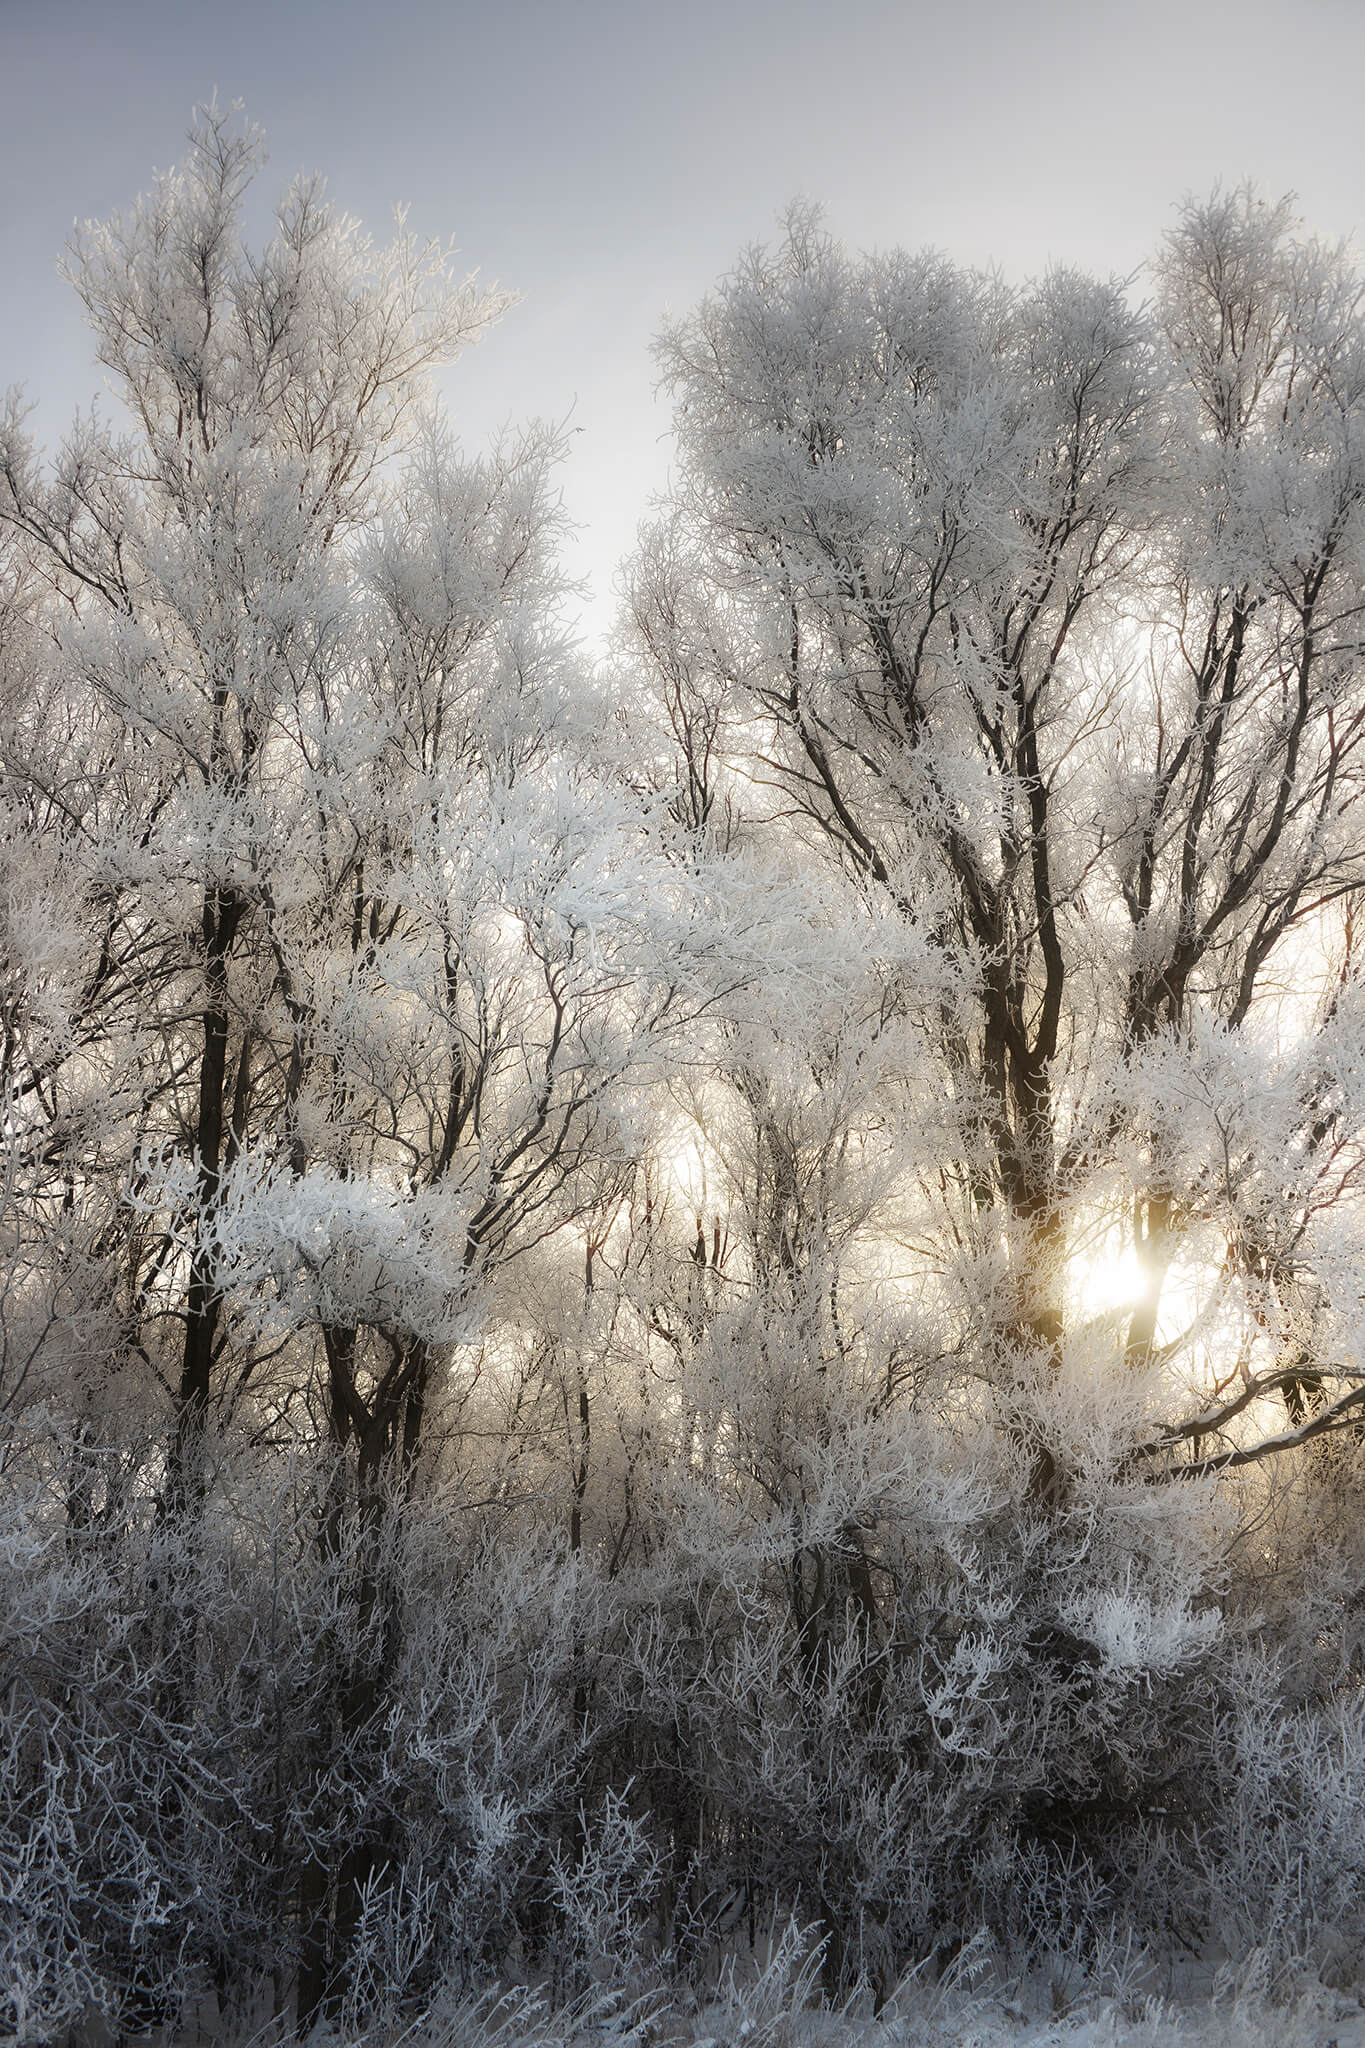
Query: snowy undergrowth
x=774, y=2002
x=773, y=2012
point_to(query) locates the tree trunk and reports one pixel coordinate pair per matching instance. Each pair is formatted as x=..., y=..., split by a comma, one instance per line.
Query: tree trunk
x=222, y=914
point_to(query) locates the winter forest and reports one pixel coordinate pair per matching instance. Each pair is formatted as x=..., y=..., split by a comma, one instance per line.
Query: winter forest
x=682, y=1336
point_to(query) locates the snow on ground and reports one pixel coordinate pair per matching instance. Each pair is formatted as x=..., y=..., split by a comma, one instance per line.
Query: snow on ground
x=1310, y=2017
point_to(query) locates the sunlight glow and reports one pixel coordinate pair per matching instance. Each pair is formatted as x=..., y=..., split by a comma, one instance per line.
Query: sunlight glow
x=1107, y=1281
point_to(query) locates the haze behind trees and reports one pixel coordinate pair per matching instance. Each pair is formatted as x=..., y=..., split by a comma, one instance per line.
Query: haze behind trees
x=560, y=1402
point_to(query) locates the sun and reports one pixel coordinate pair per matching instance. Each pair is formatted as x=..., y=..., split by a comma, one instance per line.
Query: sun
x=1106, y=1280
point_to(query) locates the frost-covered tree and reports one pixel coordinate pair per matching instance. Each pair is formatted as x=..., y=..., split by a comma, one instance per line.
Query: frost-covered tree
x=201, y=547
x=1036, y=616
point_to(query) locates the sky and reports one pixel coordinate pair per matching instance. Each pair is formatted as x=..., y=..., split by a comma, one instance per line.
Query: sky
x=608, y=161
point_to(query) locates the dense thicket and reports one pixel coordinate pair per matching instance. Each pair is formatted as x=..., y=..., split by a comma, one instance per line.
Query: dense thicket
x=637, y=1305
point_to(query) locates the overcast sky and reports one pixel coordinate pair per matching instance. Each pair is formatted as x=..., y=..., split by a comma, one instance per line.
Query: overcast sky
x=607, y=160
